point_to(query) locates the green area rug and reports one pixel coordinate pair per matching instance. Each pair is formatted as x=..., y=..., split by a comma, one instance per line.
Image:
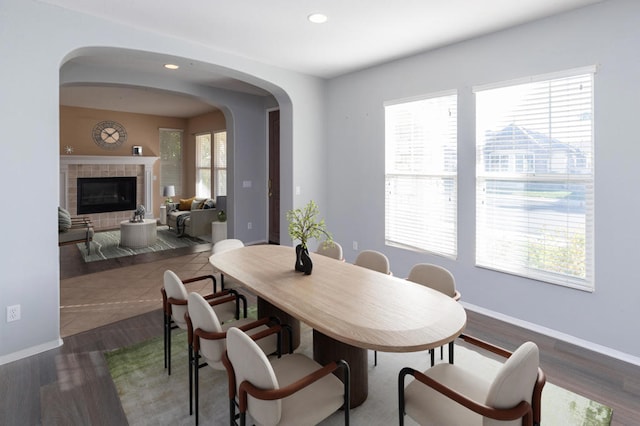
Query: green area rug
x=150, y=397
x=106, y=244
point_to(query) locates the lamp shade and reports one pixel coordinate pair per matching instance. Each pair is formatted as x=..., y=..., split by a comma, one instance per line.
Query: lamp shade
x=169, y=191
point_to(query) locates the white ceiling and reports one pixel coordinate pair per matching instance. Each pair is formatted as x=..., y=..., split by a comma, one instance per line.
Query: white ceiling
x=358, y=33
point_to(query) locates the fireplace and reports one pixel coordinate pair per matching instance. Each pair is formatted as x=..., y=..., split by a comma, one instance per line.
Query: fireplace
x=106, y=194
x=73, y=167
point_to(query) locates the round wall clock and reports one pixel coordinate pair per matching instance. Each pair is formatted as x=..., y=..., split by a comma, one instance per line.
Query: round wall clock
x=109, y=134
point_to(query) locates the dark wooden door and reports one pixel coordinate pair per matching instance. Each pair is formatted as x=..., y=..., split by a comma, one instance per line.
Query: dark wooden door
x=274, y=177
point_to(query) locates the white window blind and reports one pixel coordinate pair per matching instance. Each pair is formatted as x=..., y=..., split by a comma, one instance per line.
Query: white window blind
x=220, y=163
x=203, y=165
x=534, y=186
x=171, y=159
x=421, y=174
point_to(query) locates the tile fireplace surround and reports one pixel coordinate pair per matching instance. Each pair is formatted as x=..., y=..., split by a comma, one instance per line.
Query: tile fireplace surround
x=74, y=166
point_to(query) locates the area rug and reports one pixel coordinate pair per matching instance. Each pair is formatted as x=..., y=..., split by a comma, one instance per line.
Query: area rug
x=106, y=244
x=150, y=397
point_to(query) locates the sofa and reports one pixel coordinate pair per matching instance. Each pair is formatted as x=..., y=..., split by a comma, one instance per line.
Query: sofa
x=193, y=216
x=73, y=230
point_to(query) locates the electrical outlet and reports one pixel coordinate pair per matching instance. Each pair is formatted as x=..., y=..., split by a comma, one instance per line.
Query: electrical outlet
x=13, y=313
x=355, y=245
x=249, y=225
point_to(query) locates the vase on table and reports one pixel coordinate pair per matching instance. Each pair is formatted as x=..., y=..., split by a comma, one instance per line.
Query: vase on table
x=303, y=260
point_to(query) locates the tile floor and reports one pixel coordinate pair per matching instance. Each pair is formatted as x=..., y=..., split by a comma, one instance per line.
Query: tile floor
x=91, y=300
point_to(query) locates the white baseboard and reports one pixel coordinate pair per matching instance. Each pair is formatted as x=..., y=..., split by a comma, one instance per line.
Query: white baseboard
x=34, y=350
x=622, y=356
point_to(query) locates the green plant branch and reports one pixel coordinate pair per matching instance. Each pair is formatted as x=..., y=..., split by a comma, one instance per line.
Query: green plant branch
x=304, y=225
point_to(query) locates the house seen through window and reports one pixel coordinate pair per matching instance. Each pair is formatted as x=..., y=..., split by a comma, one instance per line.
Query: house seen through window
x=534, y=179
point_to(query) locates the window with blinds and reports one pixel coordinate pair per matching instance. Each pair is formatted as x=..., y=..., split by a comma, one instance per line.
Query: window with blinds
x=534, y=178
x=171, y=159
x=220, y=163
x=203, y=165
x=421, y=174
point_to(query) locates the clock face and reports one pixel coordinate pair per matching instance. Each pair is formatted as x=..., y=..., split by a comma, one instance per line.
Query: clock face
x=109, y=134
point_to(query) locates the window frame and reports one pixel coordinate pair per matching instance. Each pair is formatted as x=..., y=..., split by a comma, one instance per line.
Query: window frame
x=421, y=161
x=201, y=168
x=549, y=250
x=219, y=164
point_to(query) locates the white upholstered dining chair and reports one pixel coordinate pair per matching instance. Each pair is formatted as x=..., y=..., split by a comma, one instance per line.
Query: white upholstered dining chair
x=209, y=340
x=291, y=390
x=330, y=249
x=376, y=261
x=440, y=279
x=448, y=394
x=174, y=307
x=226, y=245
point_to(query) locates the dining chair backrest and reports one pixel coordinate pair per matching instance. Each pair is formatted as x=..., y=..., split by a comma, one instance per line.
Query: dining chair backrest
x=330, y=249
x=374, y=260
x=175, y=289
x=203, y=317
x=251, y=364
x=435, y=277
x=515, y=380
x=226, y=245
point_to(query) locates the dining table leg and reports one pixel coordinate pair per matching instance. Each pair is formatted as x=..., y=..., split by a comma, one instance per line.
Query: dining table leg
x=327, y=349
x=266, y=309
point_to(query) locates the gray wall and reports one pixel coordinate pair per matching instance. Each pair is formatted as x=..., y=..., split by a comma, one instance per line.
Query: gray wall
x=607, y=35
x=43, y=38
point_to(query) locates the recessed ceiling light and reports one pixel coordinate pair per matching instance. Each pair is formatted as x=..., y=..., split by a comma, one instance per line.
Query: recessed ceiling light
x=317, y=18
x=171, y=66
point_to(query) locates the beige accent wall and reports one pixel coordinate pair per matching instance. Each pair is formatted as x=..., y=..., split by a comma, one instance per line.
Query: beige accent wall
x=76, y=128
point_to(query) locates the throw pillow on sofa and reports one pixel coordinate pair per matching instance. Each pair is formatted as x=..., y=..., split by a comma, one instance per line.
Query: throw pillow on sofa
x=64, y=220
x=208, y=204
x=185, y=204
x=197, y=204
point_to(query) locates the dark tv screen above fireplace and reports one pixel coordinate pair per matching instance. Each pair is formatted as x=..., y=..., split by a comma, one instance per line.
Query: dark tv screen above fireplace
x=106, y=194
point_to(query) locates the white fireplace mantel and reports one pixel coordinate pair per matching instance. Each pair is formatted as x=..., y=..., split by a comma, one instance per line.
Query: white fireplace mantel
x=147, y=162
x=65, y=160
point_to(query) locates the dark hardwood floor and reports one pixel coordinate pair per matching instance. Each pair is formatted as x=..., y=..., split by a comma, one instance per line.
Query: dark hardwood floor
x=71, y=385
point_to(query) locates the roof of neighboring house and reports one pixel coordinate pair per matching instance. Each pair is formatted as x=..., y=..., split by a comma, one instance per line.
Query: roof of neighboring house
x=514, y=137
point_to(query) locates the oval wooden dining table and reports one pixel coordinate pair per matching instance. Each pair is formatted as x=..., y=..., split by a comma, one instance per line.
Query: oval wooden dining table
x=350, y=308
